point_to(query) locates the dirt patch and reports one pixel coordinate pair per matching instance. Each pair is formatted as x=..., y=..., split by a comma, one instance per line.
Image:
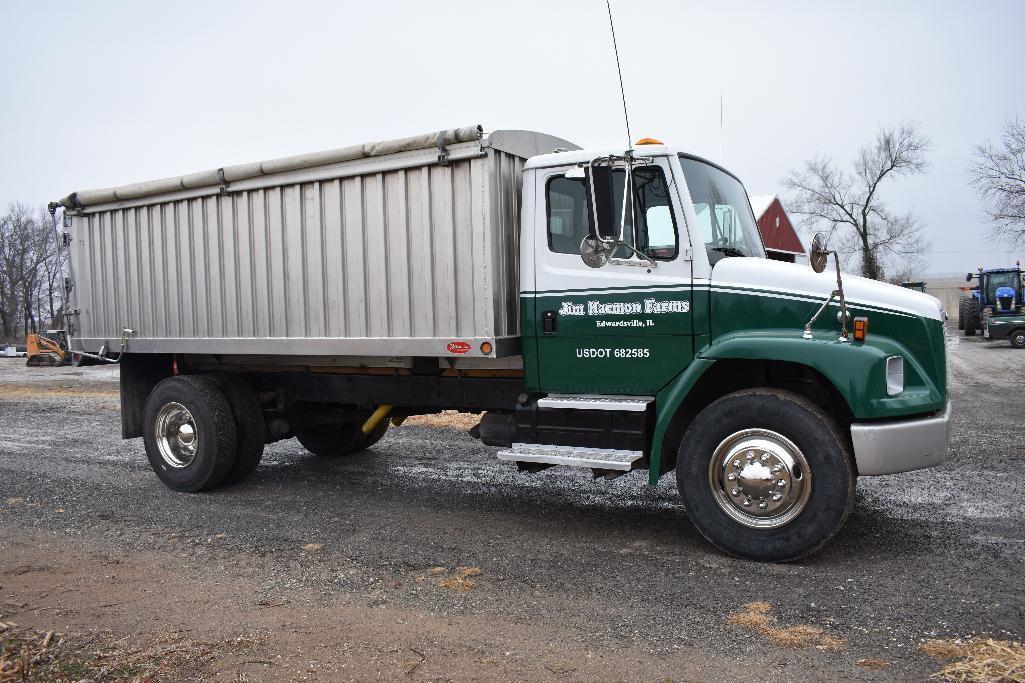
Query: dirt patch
x=978, y=659
x=757, y=616
x=53, y=392
x=449, y=419
x=868, y=663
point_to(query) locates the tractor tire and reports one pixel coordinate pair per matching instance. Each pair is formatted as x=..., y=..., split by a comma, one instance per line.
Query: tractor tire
x=1017, y=338
x=337, y=440
x=961, y=312
x=189, y=432
x=250, y=430
x=766, y=474
x=973, y=317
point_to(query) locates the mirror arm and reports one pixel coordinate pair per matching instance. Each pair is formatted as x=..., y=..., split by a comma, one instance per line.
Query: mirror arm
x=843, y=300
x=642, y=255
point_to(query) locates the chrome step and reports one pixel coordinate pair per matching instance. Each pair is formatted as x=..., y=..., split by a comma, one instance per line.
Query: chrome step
x=595, y=402
x=572, y=456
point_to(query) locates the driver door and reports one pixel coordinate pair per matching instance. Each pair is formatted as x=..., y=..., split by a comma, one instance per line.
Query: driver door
x=624, y=328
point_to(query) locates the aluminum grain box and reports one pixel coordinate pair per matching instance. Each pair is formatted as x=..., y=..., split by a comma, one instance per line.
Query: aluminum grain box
x=398, y=248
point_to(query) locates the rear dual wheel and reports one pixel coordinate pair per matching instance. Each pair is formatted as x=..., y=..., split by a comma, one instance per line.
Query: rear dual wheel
x=766, y=474
x=337, y=440
x=202, y=430
x=1017, y=338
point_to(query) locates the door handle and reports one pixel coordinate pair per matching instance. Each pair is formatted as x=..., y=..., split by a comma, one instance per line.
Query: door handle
x=549, y=322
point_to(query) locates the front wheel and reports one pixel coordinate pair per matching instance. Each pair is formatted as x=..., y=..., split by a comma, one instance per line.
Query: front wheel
x=766, y=474
x=1017, y=338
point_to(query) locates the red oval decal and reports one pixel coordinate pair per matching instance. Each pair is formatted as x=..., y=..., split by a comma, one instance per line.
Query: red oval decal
x=458, y=347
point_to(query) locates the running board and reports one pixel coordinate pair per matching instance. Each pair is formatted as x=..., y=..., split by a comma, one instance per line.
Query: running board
x=572, y=456
x=634, y=404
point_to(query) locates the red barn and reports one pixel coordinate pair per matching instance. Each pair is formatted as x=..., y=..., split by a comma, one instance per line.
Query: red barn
x=781, y=241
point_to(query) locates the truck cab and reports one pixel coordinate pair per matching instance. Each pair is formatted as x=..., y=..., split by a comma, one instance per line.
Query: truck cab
x=686, y=349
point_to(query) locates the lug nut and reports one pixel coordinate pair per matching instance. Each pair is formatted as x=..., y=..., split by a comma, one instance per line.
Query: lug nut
x=776, y=469
x=765, y=457
x=776, y=497
x=781, y=483
x=747, y=502
x=731, y=476
x=750, y=455
x=735, y=492
x=736, y=464
x=762, y=505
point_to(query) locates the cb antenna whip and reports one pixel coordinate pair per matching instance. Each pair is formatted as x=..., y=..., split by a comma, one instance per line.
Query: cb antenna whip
x=622, y=91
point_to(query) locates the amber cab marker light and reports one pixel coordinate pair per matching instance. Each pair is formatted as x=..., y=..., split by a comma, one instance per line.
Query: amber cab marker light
x=485, y=348
x=860, y=329
x=649, y=141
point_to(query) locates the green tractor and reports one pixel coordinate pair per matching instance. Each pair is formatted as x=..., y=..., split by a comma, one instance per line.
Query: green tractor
x=1000, y=292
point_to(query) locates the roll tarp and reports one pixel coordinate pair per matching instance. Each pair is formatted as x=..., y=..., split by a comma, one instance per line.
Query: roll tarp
x=212, y=178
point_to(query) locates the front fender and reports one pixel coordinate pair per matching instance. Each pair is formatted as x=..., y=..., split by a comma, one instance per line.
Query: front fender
x=856, y=369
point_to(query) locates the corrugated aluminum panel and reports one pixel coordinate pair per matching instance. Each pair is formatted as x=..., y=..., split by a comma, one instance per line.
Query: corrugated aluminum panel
x=359, y=261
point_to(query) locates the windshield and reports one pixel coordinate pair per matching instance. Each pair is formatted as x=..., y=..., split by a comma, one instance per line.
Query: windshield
x=996, y=280
x=725, y=221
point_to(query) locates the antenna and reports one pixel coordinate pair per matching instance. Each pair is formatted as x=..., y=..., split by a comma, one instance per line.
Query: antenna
x=722, y=128
x=622, y=91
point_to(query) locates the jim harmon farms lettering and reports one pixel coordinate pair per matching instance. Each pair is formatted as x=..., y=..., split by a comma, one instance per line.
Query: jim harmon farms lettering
x=648, y=306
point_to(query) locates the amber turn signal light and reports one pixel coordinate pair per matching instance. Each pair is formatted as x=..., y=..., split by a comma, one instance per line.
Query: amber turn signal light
x=649, y=141
x=860, y=329
x=485, y=348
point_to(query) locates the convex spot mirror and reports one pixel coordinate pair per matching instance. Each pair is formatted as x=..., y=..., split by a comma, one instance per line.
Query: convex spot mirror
x=818, y=253
x=593, y=252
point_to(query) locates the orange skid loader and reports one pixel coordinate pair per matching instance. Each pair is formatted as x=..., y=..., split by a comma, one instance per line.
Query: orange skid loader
x=50, y=349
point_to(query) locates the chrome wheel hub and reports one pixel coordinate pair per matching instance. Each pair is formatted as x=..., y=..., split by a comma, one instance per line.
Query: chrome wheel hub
x=176, y=435
x=760, y=478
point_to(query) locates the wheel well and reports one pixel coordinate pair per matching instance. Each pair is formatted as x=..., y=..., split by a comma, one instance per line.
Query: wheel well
x=727, y=376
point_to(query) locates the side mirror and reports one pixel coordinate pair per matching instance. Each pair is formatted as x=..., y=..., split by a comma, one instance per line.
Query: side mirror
x=818, y=253
x=601, y=201
x=968, y=278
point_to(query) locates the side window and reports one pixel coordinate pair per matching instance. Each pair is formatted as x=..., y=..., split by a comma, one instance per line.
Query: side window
x=567, y=215
x=656, y=233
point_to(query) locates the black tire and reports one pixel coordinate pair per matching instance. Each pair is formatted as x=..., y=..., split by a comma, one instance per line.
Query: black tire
x=214, y=432
x=829, y=500
x=250, y=430
x=337, y=440
x=961, y=312
x=973, y=317
x=1017, y=338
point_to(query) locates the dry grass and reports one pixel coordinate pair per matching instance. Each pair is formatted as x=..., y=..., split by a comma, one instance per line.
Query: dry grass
x=27, y=655
x=459, y=580
x=449, y=419
x=757, y=616
x=978, y=660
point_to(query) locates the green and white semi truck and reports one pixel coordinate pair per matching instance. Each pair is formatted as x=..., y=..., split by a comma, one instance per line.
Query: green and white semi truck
x=610, y=310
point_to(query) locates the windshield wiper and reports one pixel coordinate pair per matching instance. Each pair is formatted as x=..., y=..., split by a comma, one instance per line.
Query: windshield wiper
x=728, y=251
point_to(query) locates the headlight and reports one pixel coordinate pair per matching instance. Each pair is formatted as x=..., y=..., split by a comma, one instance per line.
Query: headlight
x=894, y=375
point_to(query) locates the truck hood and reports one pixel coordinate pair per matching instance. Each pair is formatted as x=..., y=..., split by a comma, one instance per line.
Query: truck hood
x=792, y=279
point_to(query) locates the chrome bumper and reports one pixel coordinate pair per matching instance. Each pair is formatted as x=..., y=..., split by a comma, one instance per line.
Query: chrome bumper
x=902, y=446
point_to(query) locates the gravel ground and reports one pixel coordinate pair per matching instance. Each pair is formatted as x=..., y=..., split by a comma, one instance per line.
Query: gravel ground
x=577, y=578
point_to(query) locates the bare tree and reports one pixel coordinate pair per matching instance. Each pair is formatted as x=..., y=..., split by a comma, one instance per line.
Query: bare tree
x=848, y=204
x=30, y=276
x=997, y=173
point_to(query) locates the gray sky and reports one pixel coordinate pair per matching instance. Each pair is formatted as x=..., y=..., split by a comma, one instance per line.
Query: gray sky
x=105, y=93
